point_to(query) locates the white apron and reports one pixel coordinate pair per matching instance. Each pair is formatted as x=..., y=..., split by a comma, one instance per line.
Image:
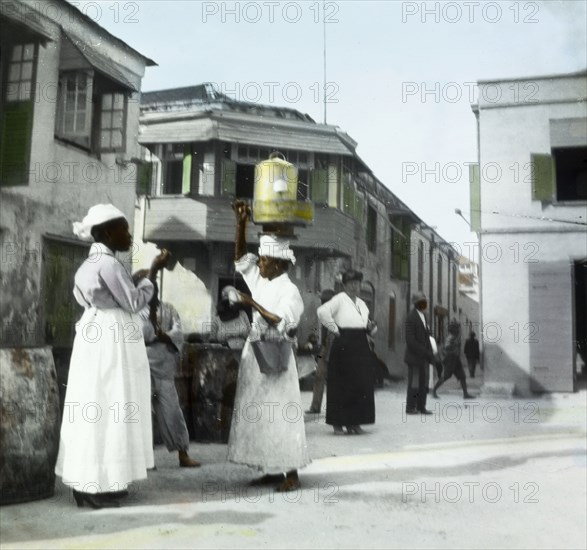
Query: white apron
x=106, y=438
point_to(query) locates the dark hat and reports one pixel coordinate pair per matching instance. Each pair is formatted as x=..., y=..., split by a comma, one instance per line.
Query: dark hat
x=351, y=275
x=454, y=327
x=419, y=297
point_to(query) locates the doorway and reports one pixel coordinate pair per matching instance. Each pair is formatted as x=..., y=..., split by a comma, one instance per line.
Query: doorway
x=580, y=277
x=245, y=181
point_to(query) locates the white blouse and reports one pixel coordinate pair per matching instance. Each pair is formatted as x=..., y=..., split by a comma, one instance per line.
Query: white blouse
x=104, y=283
x=342, y=312
x=279, y=296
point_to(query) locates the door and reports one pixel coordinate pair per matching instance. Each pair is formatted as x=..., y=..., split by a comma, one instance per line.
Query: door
x=550, y=330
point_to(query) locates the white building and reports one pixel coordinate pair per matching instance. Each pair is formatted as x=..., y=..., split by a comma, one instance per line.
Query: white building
x=529, y=199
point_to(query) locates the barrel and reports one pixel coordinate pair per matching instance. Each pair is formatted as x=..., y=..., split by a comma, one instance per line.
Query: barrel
x=214, y=371
x=30, y=422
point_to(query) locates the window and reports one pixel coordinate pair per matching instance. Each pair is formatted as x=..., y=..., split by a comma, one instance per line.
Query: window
x=172, y=177
x=20, y=73
x=17, y=79
x=420, y=266
x=371, y=229
x=561, y=176
x=571, y=173
x=400, y=248
x=91, y=111
x=74, y=110
x=439, y=280
x=112, y=122
x=172, y=168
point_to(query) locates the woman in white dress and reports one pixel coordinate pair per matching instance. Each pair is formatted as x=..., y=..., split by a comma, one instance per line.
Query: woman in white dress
x=106, y=437
x=267, y=430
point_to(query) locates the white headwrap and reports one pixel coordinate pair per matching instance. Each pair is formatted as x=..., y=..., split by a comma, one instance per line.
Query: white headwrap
x=97, y=214
x=276, y=247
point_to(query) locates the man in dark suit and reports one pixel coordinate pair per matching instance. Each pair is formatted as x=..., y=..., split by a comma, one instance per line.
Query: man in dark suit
x=418, y=355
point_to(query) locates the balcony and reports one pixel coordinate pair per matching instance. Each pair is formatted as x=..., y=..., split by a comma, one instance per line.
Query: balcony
x=211, y=219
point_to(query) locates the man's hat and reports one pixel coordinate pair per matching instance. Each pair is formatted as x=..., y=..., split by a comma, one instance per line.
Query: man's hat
x=351, y=275
x=419, y=297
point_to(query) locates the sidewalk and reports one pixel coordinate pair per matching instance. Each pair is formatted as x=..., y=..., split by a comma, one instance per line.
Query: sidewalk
x=483, y=474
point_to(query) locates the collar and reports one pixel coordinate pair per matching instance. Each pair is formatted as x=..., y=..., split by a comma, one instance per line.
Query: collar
x=97, y=249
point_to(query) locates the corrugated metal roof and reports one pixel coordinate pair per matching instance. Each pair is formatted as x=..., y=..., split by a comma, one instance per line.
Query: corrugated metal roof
x=265, y=133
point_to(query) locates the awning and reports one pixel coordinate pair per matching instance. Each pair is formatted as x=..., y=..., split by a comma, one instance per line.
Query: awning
x=23, y=16
x=268, y=133
x=105, y=65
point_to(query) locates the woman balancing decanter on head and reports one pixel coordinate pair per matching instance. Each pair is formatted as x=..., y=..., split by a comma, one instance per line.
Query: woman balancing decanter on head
x=106, y=438
x=267, y=430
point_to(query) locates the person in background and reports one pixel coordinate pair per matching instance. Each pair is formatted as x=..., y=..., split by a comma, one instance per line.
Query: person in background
x=231, y=324
x=163, y=336
x=350, y=399
x=109, y=369
x=472, y=353
x=419, y=355
x=451, y=360
x=322, y=361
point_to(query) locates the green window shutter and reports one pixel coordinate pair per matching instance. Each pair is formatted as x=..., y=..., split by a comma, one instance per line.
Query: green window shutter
x=228, y=177
x=543, y=178
x=144, y=177
x=359, y=208
x=186, y=184
x=348, y=198
x=405, y=269
x=319, y=185
x=475, y=197
x=15, y=142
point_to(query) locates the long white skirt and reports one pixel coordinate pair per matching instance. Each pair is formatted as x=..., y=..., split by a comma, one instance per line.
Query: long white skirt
x=106, y=436
x=267, y=430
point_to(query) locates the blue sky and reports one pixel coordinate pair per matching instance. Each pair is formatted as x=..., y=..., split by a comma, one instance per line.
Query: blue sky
x=381, y=56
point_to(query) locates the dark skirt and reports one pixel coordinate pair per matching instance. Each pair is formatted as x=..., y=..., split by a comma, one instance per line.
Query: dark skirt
x=349, y=390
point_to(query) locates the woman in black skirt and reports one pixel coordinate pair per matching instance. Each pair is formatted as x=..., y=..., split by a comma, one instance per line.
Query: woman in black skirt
x=350, y=400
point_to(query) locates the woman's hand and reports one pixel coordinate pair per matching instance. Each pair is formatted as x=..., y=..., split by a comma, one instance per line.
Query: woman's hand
x=245, y=299
x=242, y=210
x=163, y=336
x=161, y=260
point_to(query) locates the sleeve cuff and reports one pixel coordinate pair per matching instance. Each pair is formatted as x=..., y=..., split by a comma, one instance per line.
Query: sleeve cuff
x=246, y=262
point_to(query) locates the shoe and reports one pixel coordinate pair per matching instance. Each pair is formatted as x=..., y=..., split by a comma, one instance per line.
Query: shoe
x=95, y=501
x=338, y=430
x=312, y=411
x=289, y=484
x=435, y=395
x=411, y=411
x=426, y=411
x=268, y=479
x=468, y=396
x=357, y=430
x=115, y=494
x=186, y=461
